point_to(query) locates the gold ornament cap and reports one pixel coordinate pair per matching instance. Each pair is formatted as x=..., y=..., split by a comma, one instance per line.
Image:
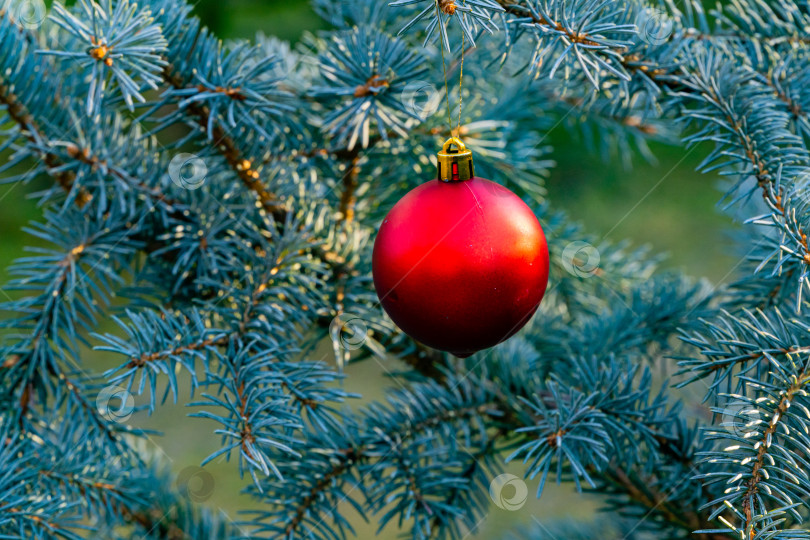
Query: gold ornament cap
x=455, y=164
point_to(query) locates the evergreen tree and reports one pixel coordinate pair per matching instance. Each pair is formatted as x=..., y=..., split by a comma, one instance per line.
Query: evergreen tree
x=219, y=200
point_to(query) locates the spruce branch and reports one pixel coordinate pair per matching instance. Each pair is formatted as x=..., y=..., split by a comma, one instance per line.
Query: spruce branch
x=757, y=458
x=65, y=148
x=241, y=165
x=254, y=389
x=752, y=488
x=472, y=15
x=373, y=69
x=641, y=490
x=10, y=36
x=367, y=450
x=121, y=39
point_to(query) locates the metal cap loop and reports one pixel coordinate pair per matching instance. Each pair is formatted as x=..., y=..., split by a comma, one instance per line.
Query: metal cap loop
x=455, y=164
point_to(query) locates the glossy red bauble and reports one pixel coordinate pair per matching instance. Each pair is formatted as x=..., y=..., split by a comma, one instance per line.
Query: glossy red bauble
x=460, y=266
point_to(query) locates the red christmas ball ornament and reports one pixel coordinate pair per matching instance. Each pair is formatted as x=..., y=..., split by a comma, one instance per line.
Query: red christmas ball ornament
x=460, y=263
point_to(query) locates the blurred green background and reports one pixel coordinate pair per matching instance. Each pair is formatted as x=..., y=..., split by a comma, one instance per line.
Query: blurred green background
x=666, y=205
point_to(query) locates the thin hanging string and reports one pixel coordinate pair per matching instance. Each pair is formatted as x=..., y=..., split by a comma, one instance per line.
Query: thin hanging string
x=460, y=81
x=444, y=70
x=446, y=85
